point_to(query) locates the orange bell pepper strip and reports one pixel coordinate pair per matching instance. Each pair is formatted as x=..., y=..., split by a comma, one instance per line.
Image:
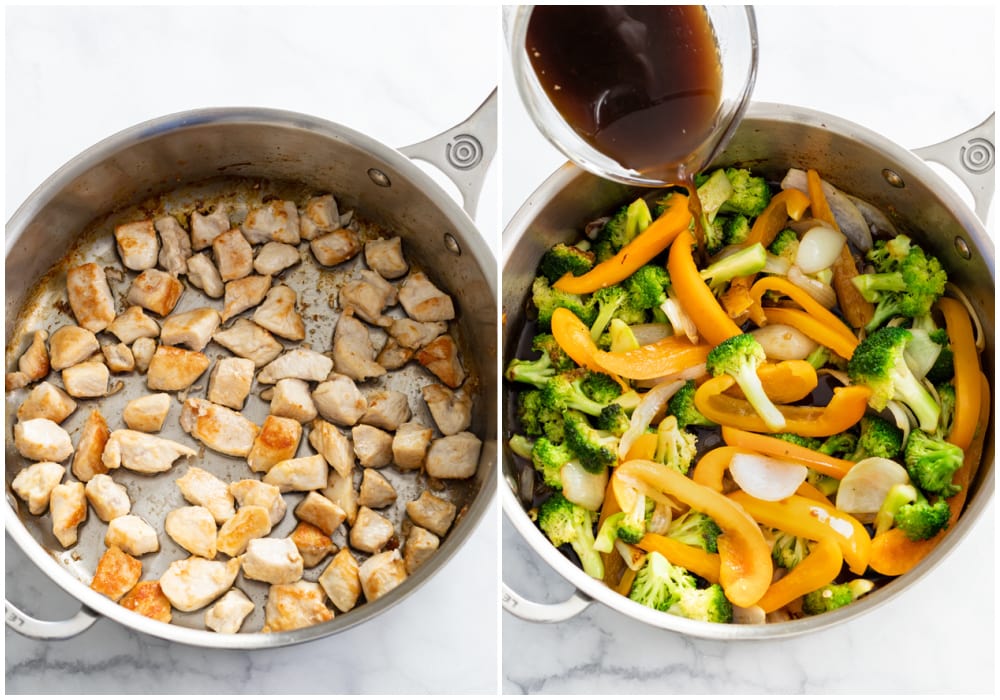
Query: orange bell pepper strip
x=644, y=447
x=639, y=251
x=624, y=586
x=745, y=567
x=787, y=381
x=825, y=328
x=695, y=296
x=967, y=394
x=782, y=449
x=817, y=200
x=819, y=568
x=712, y=466
x=694, y=559
x=804, y=517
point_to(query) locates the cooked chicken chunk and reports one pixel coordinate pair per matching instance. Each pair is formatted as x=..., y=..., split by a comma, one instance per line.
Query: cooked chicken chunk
x=156, y=291
x=175, y=369
x=291, y=399
x=249, y=523
x=117, y=573
x=71, y=345
x=250, y=492
x=46, y=401
x=301, y=474
x=191, y=328
x=335, y=447
x=202, y=274
x=41, y=440
x=142, y=351
x=272, y=560
x=431, y=512
x=206, y=228
x=371, y=532
x=274, y=257
x=385, y=256
x=193, y=528
x=339, y=400
x=243, y=294
x=293, y=606
x=34, y=363
x=218, y=428
x=87, y=462
x=278, y=315
x=369, y=297
x=193, y=583
x=233, y=255
x=320, y=216
x=68, y=509
x=276, y=220
x=381, y=573
x=118, y=357
x=175, y=245
x=86, y=380
x=15, y=380
x=414, y=334
x=341, y=491
x=146, y=454
x=422, y=301
x=246, y=339
x=300, y=363
x=376, y=491
x=451, y=410
x=230, y=381
x=108, y=499
x=420, y=545
x=203, y=488
x=409, y=445
x=132, y=535
x=34, y=484
x=335, y=247
x=147, y=413
x=387, y=409
x=320, y=511
x=340, y=580
x=453, y=457
x=137, y=244
x=353, y=353
x=393, y=355
x=372, y=445
x=229, y=612
x=312, y=544
x=90, y=296
x=277, y=441
x=134, y=324
x=440, y=357
x=147, y=598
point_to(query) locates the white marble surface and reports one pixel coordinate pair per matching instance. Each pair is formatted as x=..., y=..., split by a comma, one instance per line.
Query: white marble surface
x=77, y=75
x=919, y=76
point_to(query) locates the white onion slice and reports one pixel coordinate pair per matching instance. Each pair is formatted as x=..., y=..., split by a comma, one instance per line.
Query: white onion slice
x=781, y=342
x=646, y=333
x=690, y=373
x=754, y=615
x=903, y=417
x=820, y=291
x=766, y=478
x=775, y=265
x=651, y=404
x=865, y=487
x=582, y=487
x=678, y=318
x=819, y=249
x=633, y=556
x=849, y=219
x=874, y=217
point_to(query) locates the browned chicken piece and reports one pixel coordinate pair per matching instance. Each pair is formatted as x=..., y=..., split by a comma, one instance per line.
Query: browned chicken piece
x=15, y=380
x=218, y=428
x=353, y=353
x=147, y=413
x=249, y=523
x=274, y=257
x=300, y=363
x=422, y=301
x=335, y=447
x=409, y=445
x=299, y=474
x=291, y=399
x=387, y=409
x=206, y=228
x=175, y=369
x=175, y=245
x=87, y=380
x=451, y=410
x=42, y=440
x=433, y=513
x=278, y=315
x=385, y=256
x=277, y=220
x=373, y=446
x=320, y=511
x=116, y=574
x=243, y=294
x=201, y=273
x=108, y=498
x=339, y=400
x=420, y=546
x=155, y=291
x=87, y=462
x=90, y=296
x=229, y=612
x=143, y=453
x=277, y=441
x=71, y=345
x=147, y=599
x=34, y=484
x=118, y=357
x=233, y=255
x=370, y=532
x=246, y=339
x=369, y=297
x=320, y=216
x=132, y=535
x=137, y=244
x=375, y=491
x=134, y=324
x=381, y=573
x=193, y=583
x=313, y=545
x=230, y=381
x=34, y=363
x=453, y=457
x=341, y=491
x=340, y=580
x=250, y=492
x=193, y=528
x=68, y=509
x=440, y=357
x=335, y=247
x=202, y=488
x=294, y=606
x=272, y=560
x=192, y=328
x=415, y=334
x=393, y=355
x=142, y=352
x=46, y=401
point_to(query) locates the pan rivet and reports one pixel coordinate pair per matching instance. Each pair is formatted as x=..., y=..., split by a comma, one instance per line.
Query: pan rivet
x=451, y=244
x=962, y=247
x=893, y=178
x=378, y=177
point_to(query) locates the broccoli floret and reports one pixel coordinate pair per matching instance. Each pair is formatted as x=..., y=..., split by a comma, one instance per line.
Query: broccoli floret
x=943, y=368
x=932, y=462
x=748, y=261
x=909, y=510
x=562, y=258
x=785, y=245
x=946, y=399
x=681, y=406
x=695, y=529
x=535, y=372
x=595, y=449
x=839, y=445
x=566, y=390
x=647, y=287
x=800, y=440
x=675, y=447
x=600, y=387
x=735, y=229
x=879, y=363
x=750, y=196
x=627, y=527
x=521, y=446
x=613, y=419
x=705, y=604
x=713, y=193
x=826, y=485
x=739, y=357
x=538, y=419
x=788, y=550
x=627, y=223
x=545, y=343
x=547, y=299
x=835, y=595
x=878, y=438
x=662, y=586
x=613, y=302
x=548, y=458
x=564, y=522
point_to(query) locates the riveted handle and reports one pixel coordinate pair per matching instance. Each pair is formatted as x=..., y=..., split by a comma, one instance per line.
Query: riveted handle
x=519, y=606
x=29, y=626
x=972, y=157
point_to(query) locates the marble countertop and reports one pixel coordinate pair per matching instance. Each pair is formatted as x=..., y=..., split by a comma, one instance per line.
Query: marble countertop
x=918, y=75
x=77, y=75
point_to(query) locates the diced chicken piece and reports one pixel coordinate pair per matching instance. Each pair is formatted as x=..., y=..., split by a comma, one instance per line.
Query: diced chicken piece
x=453, y=457
x=15, y=380
x=381, y=573
x=301, y=474
x=440, y=357
x=320, y=216
x=276, y=220
x=451, y=410
x=191, y=328
x=429, y=511
x=353, y=353
x=118, y=357
x=294, y=606
x=409, y=445
x=340, y=580
x=372, y=445
x=341, y=491
x=108, y=499
x=420, y=546
x=117, y=573
x=246, y=339
x=147, y=413
x=137, y=244
x=206, y=228
x=156, y=291
x=376, y=491
x=274, y=257
x=175, y=369
x=278, y=315
x=300, y=363
x=272, y=560
x=369, y=297
x=193, y=583
x=34, y=484
x=393, y=355
x=335, y=447
x=34, y=363
x=143, y=453
x=243, y=294
x=320, y=511
x=42, y=440
x=233, y=255
x=371, y=532
x=339, y=400
x=203, y=488
x=142, y=351
x=218, y=428
x=335, y=247
x=86, y=380
x=134, y=324
x=249, y=523
x=87, y=462
x=230, y=381
x=68, y=509
x=385, y=256
x=415, y=334
x=193, y=528
x=291, y=399
x=132, y=535
x=229, y=612
x=250, y=492
x=201, y=273
x=71, y=345
x=387, y=409
x=147, y=599
x=175, y=245
x=312, y=544
x=277, y=441
x=46, y=401
x=422, y=301
x=90, y=296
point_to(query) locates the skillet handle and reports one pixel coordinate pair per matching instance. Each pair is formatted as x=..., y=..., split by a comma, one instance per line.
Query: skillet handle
x=463, y=152
x=528, y=610
x=972, y=157
x=32, y=627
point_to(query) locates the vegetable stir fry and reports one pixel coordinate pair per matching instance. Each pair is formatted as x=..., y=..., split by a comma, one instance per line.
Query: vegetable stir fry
x=772, y=425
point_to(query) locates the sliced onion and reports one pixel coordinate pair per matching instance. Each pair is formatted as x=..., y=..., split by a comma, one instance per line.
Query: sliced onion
x=660, y=520
x=646, y=333
x=921, y=352
x=754, y=615
x=819, y=249
x=775, y=265
x=874, y=217
x=849, y=219
x=582, y=487
x=678, y=318
x=652, y=403
x=766, y=478
x=695, y=372
x=781, y=342
x=633, y=556
x=838, y=374
x=903, y=417
x=820, y=291
x=866, y=485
